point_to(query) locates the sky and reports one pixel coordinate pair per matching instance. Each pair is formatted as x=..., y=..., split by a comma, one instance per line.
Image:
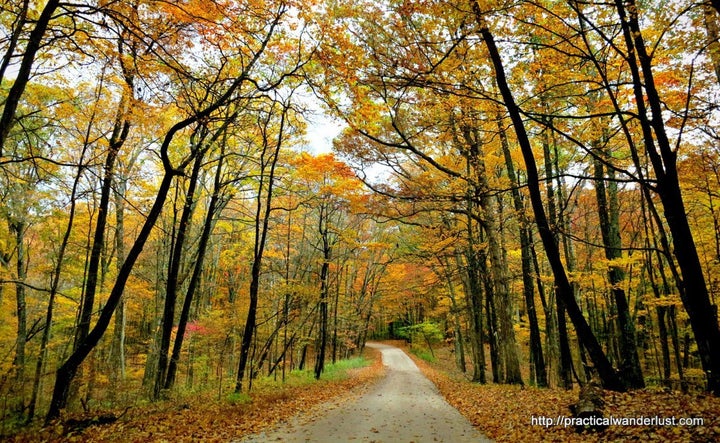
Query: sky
x=321, y=131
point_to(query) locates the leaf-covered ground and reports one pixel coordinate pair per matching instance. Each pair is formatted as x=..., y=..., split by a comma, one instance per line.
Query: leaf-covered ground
x=204, y=418
x=504, y=413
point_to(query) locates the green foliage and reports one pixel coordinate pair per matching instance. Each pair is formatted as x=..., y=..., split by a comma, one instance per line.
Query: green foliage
x=426, y=331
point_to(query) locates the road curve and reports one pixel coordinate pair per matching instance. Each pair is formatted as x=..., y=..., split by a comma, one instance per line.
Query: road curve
x=403, y=407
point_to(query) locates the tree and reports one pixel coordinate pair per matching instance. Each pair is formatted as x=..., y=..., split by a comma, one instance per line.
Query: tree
x=21, y=188
x=226, y=94
x=332, y=186
x=608, y=212
x=663, y=158
x=564, y=290
x=272, y=136
x=525, y=235
x=199, y=148
x=28, y=58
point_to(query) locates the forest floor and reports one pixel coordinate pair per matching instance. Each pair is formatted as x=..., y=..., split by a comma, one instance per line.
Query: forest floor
x=206, y=418
x=501, y=412
x=504, y=413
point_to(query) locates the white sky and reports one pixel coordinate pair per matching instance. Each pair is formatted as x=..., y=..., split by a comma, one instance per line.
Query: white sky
x=321, y=131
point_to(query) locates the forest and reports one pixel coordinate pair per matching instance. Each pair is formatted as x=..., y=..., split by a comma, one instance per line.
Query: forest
x=533, y=185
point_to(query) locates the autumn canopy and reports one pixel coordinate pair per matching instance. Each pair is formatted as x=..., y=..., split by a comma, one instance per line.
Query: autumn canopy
x=534, y=184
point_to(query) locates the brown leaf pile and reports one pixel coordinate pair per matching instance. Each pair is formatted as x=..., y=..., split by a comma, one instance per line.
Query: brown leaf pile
x=209, y=420
x=504, y=412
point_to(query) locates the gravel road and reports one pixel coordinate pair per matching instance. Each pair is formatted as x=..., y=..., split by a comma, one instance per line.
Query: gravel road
x=403, y=407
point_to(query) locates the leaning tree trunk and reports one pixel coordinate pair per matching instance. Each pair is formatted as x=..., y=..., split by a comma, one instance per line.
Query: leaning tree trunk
x=119, y=135
x=171, y=288
x=663, y=157
x=607, y=374
x=34, y=43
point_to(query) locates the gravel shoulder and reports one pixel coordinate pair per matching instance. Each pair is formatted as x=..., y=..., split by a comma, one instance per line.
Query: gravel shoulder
x=402, y=407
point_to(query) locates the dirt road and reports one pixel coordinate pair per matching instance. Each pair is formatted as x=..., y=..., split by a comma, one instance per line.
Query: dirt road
x=403, y=407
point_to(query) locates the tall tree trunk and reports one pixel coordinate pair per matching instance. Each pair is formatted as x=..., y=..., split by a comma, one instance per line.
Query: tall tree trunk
x=660, y=289
x=455, y=312
x=268, y=161
x=536, y=352
x=117, y=351
x=503, y=347
x=474, y=296
x=119, y=135
x=504, y=305
x=54, y=287
x=336, y=303
x=213, y=209
x=675, y=338
x=17, y=228
x=324, y=286
x=663, y=157
x=589, y=341
x=173, y=277
x=473, y=287
x=565, y=363
x=608, y=213
x=497, y=363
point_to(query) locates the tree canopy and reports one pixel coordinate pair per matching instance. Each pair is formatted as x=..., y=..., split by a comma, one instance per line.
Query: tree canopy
x=533, y=183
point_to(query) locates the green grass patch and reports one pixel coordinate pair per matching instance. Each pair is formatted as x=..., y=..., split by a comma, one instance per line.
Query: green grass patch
x=298, y=378
x=424, y=354
x=339, y=369
x=333, y=372
x=239, y=398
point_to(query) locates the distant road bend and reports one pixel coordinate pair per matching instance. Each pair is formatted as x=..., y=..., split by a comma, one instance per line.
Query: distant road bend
x=403, y=407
